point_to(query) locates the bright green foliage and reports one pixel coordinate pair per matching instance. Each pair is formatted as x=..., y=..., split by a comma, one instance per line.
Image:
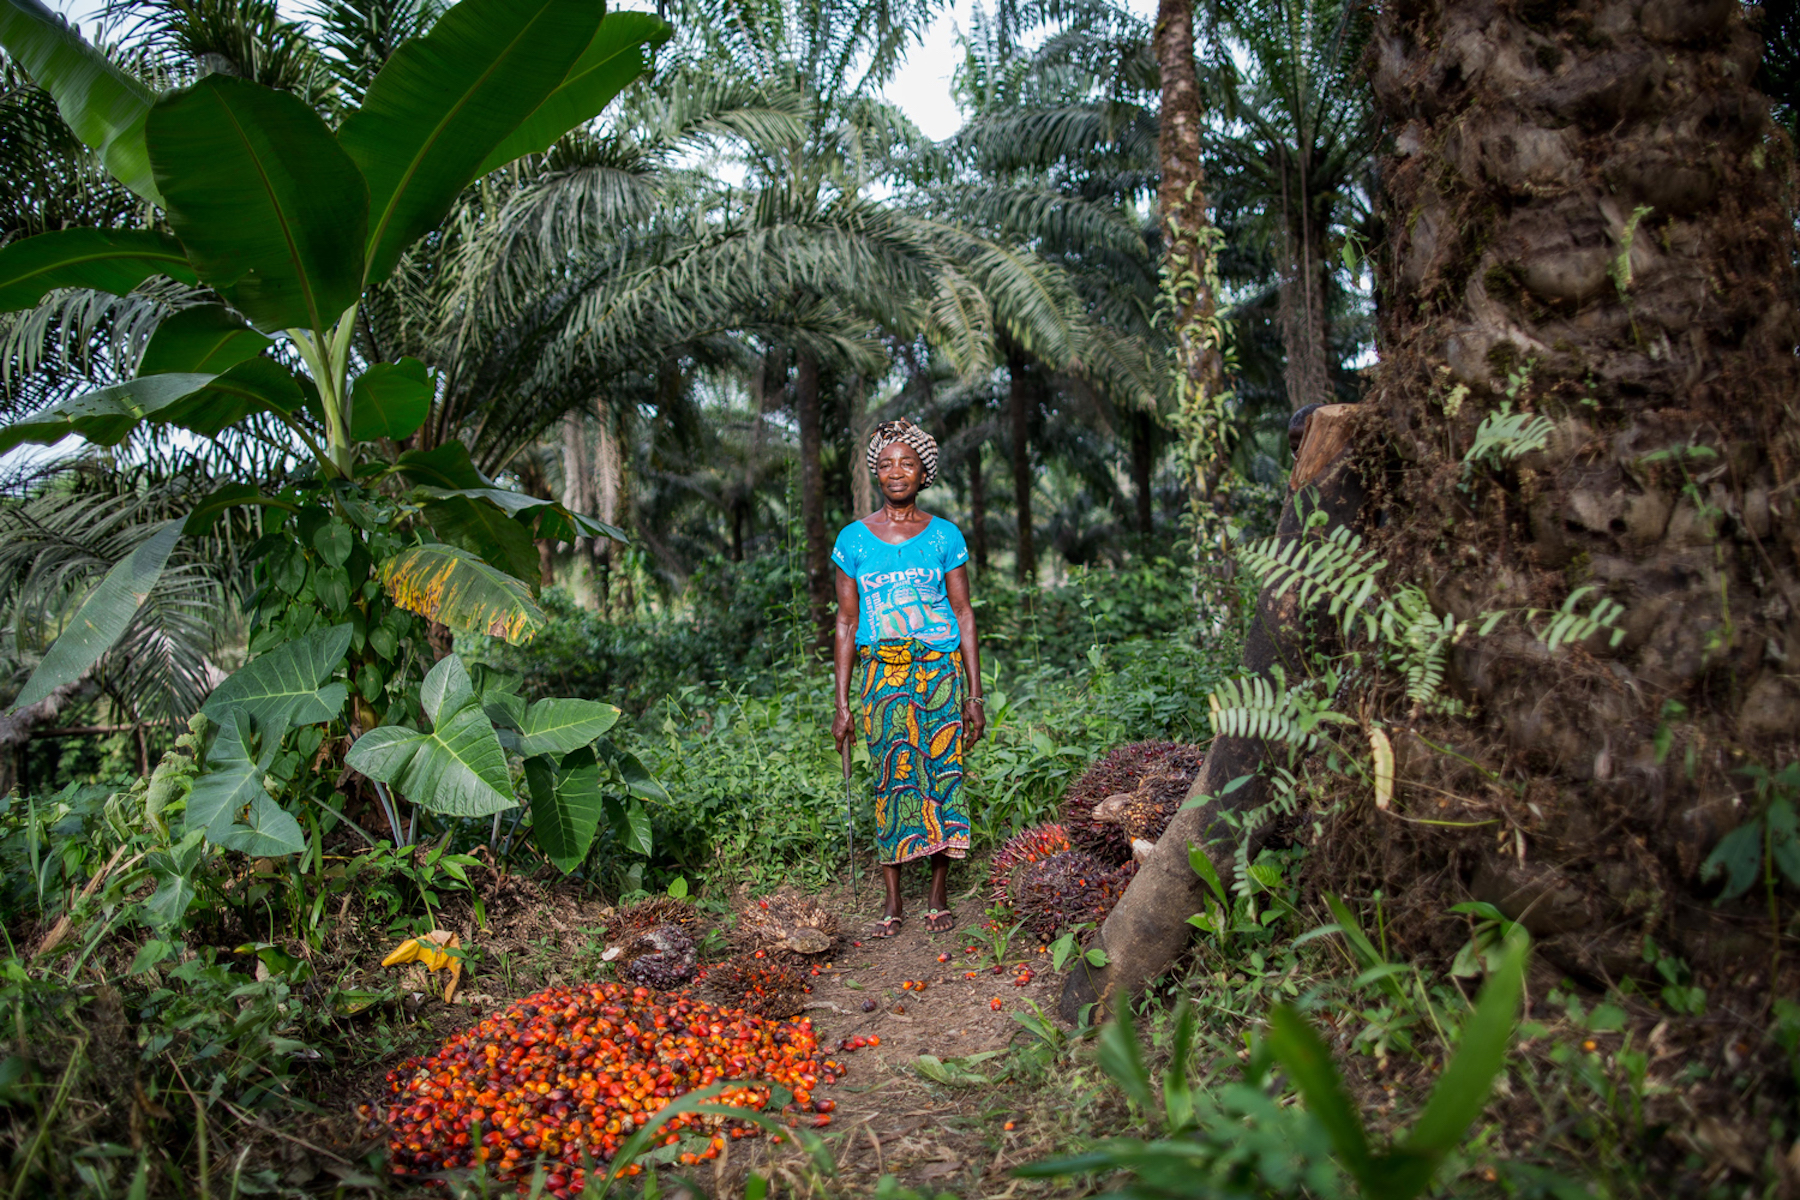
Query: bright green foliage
x=286, y=686
x=456, y=768
x=207, y=337
x=102, y=617
x=390, y=400
x=107, y=260
x=562, y=726
x=270, y=209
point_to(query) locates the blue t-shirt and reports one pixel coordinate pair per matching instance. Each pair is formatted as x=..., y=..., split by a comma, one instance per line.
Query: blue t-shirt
x=901, y=588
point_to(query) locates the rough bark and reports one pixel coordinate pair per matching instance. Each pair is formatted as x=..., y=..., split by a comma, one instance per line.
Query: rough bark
x=812, y=490
x=1588, y=223
x=1182, y=206
x=608, y=496
x=862, y=480
x=1148, y=927
x=1300, y=310
x=1021, y=396
x=578, y=478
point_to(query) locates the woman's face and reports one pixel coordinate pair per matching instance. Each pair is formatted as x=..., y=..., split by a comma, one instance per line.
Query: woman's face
x=900, y=472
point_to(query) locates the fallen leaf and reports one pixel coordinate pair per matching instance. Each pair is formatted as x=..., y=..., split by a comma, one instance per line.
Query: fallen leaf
x=431, y=952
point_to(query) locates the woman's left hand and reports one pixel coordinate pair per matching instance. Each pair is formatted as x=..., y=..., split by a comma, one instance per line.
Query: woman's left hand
x=974, y=719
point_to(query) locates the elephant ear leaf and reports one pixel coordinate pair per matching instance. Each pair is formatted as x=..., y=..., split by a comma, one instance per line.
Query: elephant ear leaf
x=270, y=208
x=232, y=785
x=458, y=768
x=103, y=617
x=455, y=588
x=566, y=806
x=485, y=529
x=444, y=101
x=286, y=685
x=99, y=100
x=562, y=726
x=106, y=260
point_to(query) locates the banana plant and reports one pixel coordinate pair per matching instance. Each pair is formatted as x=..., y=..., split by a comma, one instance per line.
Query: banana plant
x=289, y=223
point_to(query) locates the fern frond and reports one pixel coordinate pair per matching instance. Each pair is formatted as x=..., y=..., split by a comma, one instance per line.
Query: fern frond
x=1335, y=567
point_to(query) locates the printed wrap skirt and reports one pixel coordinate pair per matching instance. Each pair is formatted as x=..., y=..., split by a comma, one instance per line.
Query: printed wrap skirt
x=912, y=719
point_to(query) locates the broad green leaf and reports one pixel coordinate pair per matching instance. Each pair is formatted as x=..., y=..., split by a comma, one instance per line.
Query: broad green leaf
x=1121, y=1059
x=267, y=830
x=554, y=522
x=1308, y=1064
x=286, y=685
x=1739, y=853
x=1201, y=863
x=234, y=772
x=106, y=260
x=106, y=416
x=270, y=208
x=560, y=726
x=455, y=588
x=103, y=616
x=457, y=768
x=1178, y=1095
x=445, y=466
x=638, y=780
x=207, y=337
x=447, y=688
x=1462, y=1090
x=444, y=101
x=256, y=385
x=483, y=529
x=631, y=824
x=566, y=805
x=390, y=400
x=613, y=59
x=103, y=103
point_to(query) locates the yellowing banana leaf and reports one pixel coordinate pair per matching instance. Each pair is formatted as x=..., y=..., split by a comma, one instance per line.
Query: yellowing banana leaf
x=431, y=950
x=455, y=588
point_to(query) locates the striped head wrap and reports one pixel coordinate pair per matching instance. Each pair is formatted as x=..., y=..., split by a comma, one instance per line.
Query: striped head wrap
x=923, y=444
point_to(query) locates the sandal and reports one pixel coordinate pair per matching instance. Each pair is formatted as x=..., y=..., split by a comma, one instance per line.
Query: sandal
x=937, y=914
x=887, y=927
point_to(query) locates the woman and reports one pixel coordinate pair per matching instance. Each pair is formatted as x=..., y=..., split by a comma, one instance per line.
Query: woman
x=904, y=623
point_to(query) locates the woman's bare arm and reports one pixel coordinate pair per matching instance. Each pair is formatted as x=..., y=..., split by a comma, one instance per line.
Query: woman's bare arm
x=956, y=590
x=843, y=653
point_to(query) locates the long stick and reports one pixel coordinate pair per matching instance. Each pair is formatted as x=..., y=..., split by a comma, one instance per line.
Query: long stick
x=850, y=820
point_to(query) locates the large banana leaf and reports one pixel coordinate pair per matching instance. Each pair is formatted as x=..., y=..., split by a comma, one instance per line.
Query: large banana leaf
x=207, y=337
x=554, y=521
x=103, y=616
x=286, y=686
x=457, y=768
x=453, y=587
x=444, y=101
x=566, y=805
x=106, y=416
x=107, y=260
x=390, y=400
x=270, y=208
x=445, y=466
x=255, y=385
x=239, y=758
x=484, y=529
x=613, y=59
x=101, y=102
x=562, y=726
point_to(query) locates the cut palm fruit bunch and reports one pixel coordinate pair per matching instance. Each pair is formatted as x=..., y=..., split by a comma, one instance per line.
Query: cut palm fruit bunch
x=567, y=1075
x=432, y=950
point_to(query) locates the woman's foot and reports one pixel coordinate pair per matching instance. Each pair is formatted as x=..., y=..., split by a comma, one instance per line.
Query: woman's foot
x=940, y=920
x=887, y=927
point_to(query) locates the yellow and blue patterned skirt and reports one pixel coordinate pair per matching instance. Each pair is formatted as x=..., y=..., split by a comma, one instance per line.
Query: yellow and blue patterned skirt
x=912, y=718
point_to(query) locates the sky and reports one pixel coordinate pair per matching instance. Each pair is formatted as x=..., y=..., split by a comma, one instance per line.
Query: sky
x=921, y=88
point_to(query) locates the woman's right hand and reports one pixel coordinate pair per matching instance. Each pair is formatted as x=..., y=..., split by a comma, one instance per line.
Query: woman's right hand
x=841, y=727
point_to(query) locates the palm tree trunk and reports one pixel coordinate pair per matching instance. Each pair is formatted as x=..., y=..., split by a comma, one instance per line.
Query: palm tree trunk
x=812, y=489
x=1143, y=466
x=578, y=479
x=1187, y=256
x=1019, y=403
x=1300, y=310
x=862, y=482
x=608, y=495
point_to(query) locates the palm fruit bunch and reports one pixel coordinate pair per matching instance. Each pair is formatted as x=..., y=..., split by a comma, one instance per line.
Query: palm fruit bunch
x=763, y=987
x=646, y=915
x=1028, y=846
x=564, y=1077
x=1159, y=796
x=1066, y=889
x=1123, y=768
x=662, y=958
x=788, y=928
